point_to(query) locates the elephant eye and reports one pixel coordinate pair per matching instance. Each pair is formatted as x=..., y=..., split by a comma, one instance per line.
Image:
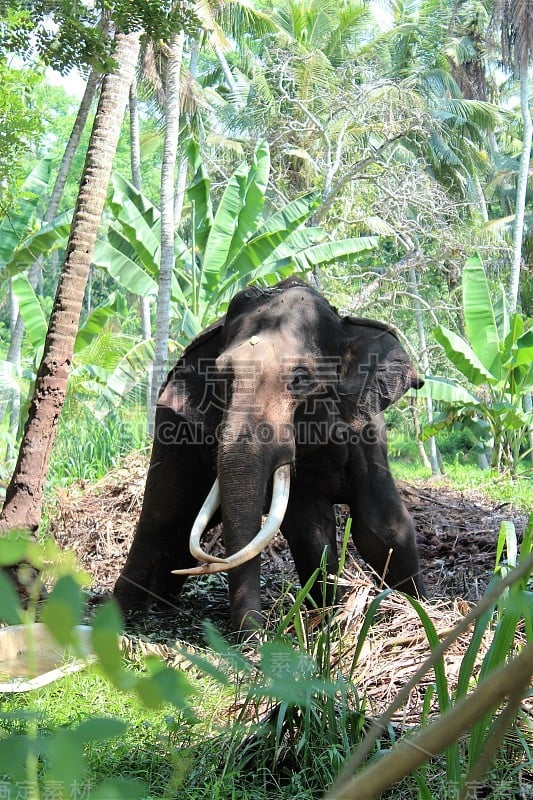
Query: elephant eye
x=301, y=381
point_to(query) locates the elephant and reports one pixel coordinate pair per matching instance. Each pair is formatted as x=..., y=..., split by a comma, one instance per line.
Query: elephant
x=279, y=404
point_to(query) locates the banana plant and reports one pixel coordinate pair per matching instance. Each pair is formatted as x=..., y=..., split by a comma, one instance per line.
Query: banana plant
x=106, y=362
x=496, y=359
x=17, y=224
x=21, y=239
x=238, y=243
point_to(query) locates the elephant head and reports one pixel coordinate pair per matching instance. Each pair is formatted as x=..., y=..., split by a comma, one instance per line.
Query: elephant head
x=281, y=389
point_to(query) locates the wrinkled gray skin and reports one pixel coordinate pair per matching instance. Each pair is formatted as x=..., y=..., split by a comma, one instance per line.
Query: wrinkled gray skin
x=282, y=379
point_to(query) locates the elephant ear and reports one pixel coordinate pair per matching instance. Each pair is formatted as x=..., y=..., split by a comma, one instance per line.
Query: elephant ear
x=190, y=385
x=375, y=371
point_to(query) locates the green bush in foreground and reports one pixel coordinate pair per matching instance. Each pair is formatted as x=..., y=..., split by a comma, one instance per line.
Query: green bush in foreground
x=296, y=715
x=53, y=761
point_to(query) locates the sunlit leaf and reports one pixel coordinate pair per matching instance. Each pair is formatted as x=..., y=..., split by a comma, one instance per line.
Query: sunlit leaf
x=63, y=609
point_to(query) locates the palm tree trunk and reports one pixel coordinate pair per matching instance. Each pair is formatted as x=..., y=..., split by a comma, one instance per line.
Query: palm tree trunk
x=181, y=186
x=222, y=60
x=172, y=114
x=72, y=145
x=433, y=457
x=22, y=508
x=17, y=329
x=521, y=191
x=135, y=142
x=520, y=207
x=136, y=179
x=181, y=180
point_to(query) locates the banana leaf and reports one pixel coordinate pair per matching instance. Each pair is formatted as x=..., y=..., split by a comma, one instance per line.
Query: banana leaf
x=236, y=217
x=124, y=270
x=250, y=216
x=125, y=376
x=480, y=319
x=31, y=311
x=139, y=220
x=199, y=194
x=332, y=251
x=524, y=349
x=446, y=391
x=14, y=226
x=463, y=356
x=96, y=320
x=10, y=377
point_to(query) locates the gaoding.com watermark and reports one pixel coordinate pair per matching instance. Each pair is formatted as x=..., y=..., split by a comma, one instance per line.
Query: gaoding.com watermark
x=303, y=432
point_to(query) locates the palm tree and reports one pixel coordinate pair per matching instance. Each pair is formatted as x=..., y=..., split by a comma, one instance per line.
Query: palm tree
x=168, y=89
x=514, y=19
x=427, y=51
x=17, y=329
x=166, y=267
x=136, y=179
x=22, y=508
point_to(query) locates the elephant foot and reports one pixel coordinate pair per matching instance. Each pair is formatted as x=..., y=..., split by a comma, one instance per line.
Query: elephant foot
x=248, y=627
x=130, y=595
x=413, y=586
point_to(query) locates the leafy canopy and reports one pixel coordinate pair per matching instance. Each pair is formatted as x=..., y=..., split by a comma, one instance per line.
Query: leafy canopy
x=69, y=33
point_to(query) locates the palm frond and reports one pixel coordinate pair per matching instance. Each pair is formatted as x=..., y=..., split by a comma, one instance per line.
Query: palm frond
x=105, y=350
x=438, y=83
x=461, y=49
x=469, y=112
x=240, y=19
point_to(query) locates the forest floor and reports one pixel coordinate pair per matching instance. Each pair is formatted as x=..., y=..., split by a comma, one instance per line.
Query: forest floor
x=457, y=536
x=456, y=532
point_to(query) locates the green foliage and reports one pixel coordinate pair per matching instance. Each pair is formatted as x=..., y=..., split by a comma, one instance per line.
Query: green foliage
x=107, y=365
x=502, y=621
x=40, y=758
x=295, y=712
x=299, y=715
x=68, y=34
x=19, y=221
x=87, y=447
x=21, y=124
x=468, y=477
x=36, y=243
x=235, y=245
x=497, y=359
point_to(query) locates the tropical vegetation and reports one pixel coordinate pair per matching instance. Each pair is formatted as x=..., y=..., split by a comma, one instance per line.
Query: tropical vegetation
x=379, y=148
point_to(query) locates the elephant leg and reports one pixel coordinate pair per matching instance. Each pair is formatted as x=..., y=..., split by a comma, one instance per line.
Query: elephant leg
x=176, y=487
x=244, y=589
x=309, y=527
x=382, y=529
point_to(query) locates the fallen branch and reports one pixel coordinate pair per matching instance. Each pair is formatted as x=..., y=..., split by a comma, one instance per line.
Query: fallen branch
x=380, y=724
x=408, y=754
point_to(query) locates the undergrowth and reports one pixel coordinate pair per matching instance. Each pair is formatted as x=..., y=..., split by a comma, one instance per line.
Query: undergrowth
x=275, y=721
x=87, y=448
x=487, y=484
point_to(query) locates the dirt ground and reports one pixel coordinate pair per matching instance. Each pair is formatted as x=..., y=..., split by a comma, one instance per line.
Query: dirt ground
x=456, y=532
x=457, y=536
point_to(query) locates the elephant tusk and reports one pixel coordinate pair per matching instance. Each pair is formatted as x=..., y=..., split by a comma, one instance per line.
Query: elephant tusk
x=278, y=506
x=209, y=507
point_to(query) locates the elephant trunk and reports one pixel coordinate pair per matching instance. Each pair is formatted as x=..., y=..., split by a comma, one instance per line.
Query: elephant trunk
x=249, y=456
x=278, y=506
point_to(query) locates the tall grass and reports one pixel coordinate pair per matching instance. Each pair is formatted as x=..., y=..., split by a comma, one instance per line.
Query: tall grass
x=87, y=447
x=288, y=713
x=505, y=608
